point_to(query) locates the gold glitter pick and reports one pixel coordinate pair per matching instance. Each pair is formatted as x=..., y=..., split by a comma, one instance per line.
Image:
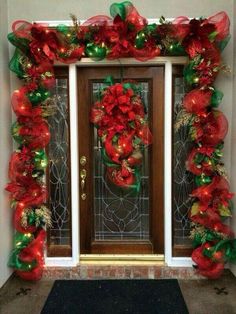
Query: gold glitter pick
x=183, y=118
x=49, y=106
x=220, y=169
x=42, y=216
x=75, y=22
x=226, y=69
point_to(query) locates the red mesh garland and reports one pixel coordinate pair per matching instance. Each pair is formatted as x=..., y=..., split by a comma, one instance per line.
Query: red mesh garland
x=206, y=266
x=205, y=166
x=34, y=252
x=222, y=23
x=197, y=100
x=210, y=128
x=40, y=46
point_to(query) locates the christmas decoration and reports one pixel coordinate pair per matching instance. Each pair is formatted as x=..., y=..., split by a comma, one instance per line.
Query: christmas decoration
x=120, y=118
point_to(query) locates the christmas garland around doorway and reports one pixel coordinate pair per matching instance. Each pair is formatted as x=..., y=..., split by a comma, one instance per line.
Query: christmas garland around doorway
x=125, y=34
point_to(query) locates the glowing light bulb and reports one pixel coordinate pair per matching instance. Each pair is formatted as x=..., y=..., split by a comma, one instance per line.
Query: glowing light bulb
x=21, y=204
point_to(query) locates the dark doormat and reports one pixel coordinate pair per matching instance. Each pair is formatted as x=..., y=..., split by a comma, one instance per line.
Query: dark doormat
x=115, y=296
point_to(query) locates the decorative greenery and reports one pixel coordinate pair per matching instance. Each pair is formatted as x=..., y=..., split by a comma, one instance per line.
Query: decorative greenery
x=126, y=34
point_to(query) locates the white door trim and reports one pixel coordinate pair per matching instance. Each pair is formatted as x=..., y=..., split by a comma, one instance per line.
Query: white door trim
x=167, y=62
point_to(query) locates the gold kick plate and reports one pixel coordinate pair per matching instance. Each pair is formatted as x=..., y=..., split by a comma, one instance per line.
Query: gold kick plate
x=123, y=259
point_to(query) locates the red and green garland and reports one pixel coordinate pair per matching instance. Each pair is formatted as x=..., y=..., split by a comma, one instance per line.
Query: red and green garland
x=119, y=116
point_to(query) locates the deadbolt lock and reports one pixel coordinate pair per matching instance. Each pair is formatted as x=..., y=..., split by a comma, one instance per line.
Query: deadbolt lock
x=83, y=160
x=83, y=196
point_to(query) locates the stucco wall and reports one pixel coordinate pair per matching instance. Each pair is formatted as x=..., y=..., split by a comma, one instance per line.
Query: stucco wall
x=5, y=147
x=35, y=10
x=233, y=137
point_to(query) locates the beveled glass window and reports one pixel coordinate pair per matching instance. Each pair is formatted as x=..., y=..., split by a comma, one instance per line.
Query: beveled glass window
x=58, y=176
x=182, y=182
x=120, y=215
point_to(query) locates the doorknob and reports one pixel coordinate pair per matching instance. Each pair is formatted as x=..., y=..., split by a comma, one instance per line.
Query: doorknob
x=83, y=175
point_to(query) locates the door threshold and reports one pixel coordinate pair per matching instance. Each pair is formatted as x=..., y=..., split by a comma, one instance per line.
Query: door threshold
x=123, y=259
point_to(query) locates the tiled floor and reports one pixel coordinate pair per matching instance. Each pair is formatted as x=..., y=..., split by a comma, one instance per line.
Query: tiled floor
x=201, y=296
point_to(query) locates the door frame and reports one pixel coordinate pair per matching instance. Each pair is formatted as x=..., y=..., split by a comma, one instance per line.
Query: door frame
x=167, y=62
x=154, y=75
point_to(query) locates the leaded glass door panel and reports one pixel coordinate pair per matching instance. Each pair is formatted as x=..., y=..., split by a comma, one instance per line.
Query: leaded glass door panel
x=115, y=220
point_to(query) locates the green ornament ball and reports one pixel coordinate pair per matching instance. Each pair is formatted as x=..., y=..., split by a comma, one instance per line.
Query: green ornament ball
x=96, y=52
x=38, y=96
x=40, y=159
x=176, y=49
x=202, y=180
x=140, y=40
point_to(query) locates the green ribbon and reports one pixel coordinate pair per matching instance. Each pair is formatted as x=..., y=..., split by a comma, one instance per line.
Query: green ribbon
x=120, y=9
x=135, y=87
x=15, y=133
x=16, y=263
x=107, y=161
x=142, y=35
x=21, y=43
x=216, y=98
x=71, y=36
x=222, y=44
x=21, y=241
x=137, y=186
x=109, y=80
x=229, y=246
x=62, y=28
x=208, y=236
x=134, y=187
x=15, y=64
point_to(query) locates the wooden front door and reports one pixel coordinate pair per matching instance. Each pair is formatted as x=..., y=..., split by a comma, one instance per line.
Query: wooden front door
x=114, y=221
